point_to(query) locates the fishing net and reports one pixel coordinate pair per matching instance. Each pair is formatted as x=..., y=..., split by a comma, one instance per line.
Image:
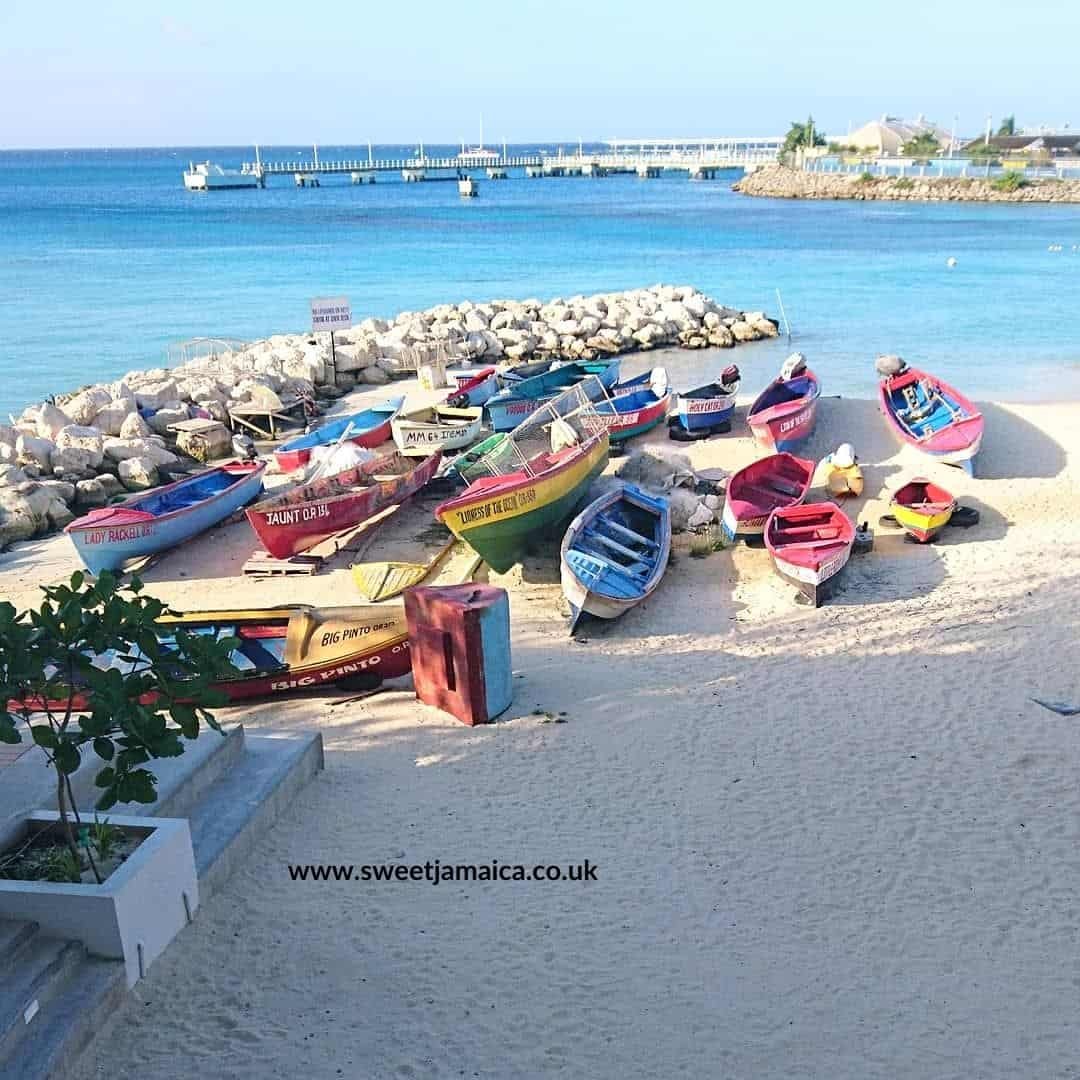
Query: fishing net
x=567, y=420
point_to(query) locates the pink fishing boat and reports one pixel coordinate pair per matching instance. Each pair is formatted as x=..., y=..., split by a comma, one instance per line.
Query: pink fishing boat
x=783, y=415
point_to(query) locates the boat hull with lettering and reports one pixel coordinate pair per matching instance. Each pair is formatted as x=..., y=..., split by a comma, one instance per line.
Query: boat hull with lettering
x=783, y=415
x=497, y=516
x=810, y=546
x=438, y=427
x=310, y=513
x=154, y=521
x=518, y=401
x=763, y=486
x=709, y=406
x=473, y=387
x=927, y=413
x=368, y=428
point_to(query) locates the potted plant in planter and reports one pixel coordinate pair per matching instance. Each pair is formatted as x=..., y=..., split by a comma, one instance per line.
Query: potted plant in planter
x=87, y=676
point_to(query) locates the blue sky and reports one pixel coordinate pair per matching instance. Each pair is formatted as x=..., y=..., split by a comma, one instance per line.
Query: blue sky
x=139, y=73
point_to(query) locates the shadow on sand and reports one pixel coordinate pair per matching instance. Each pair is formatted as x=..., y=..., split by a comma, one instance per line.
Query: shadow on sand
x=1013, y=448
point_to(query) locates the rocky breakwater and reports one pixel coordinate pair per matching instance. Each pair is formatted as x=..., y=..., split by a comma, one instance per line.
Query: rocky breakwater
x=75, y=453
x=781, y=182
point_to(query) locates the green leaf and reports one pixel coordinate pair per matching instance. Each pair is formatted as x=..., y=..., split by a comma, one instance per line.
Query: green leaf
x=44, y=736
x=138, y=786
x=105, y=778
x=9, y=731
x=104, y=748
x=67, y=757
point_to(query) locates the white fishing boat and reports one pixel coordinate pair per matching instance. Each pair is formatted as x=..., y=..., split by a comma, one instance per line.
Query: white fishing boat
x=438, y=427
x=206, y=176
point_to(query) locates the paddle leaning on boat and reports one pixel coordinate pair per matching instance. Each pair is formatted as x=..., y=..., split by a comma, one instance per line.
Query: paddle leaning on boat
x=925, y=412
x=157, y=520
x=783, y=415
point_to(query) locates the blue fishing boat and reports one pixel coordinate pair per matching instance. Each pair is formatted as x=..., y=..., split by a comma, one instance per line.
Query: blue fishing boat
x=614, y=553
x=633, y=412
x=145, y=524
x=368, y=428
x=515, y=402
x=711, y=405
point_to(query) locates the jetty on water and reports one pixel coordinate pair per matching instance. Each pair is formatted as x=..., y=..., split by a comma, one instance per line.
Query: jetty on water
x=699, y=159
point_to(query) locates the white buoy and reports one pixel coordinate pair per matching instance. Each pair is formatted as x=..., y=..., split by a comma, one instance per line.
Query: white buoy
x=950, y=262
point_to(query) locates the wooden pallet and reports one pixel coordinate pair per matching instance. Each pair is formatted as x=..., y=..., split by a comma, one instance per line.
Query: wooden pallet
x=262, y=564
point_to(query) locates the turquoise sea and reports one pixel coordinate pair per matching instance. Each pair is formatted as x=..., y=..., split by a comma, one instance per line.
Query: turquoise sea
x=105, y=259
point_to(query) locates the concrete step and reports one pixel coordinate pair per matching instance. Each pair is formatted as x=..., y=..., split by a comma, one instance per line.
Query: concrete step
x=39, y=967
x=51, y=1044
x=13, y=933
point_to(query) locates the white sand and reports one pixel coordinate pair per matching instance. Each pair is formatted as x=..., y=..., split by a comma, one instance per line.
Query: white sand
x=833, y=843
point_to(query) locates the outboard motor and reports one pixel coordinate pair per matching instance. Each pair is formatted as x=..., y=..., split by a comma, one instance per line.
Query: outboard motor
x=793, y=365
x=889, y=366
x=730, y=377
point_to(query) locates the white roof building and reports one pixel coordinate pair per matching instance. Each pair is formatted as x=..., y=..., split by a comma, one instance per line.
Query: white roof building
x=887, y=136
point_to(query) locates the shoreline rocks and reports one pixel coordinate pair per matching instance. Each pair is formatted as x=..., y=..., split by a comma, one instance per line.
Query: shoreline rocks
x=79, y=451
x=783, y=182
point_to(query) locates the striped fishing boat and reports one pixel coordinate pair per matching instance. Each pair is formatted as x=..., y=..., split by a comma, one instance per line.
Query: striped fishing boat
x=517, y=401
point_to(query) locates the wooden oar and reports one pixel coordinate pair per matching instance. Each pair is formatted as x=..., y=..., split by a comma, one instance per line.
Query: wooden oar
x=330, y=455
x=382, y=580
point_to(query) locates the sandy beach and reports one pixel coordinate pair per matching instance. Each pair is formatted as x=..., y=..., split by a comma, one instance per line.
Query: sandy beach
x=836, y=843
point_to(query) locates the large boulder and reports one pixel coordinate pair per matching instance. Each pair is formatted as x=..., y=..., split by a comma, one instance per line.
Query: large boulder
x=8, y=434
x=83, y=407
x=31, y=449
x=744, y=331
x=121, y=450
x=374, y=376
x=208, y=443
x=164, y=418
x=50, y=420
x=91, y=494
x=87, y=439
x=155, y=395
x=8, y=454
x=17, y=522
x=138, y=474
x=60, y=489
x=134, y=427
x=73, y=461
x=110, y=418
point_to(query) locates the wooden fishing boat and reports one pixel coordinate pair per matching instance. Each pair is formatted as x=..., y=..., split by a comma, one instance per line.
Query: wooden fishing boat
x=754, y=492
x=925, y=412
x=438, y=427
x=711, y=405
x=633, y=413
x=156, y=520
x=473, y=386
x=922, y=508
x=614, y=553
x=520, y=372
x=497, y=516
x=810, y=545
x=783, y=414
x=520, y=400
x=371, y=427
x=309, y=513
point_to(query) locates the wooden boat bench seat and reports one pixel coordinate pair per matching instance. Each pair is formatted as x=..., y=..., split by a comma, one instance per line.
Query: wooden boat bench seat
x=629, y=534
x=614, y=545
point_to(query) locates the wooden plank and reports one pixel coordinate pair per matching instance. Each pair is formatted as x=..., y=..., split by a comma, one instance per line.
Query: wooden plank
x=262, y=564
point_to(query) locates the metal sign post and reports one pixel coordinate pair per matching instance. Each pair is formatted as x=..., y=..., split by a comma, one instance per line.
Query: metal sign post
x=331, y=313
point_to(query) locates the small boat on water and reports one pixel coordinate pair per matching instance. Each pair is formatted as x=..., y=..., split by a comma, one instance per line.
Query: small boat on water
x=925, y=412
x=148, y=523
x=754, y=492
x=519, y=400
x=711, y=405
x=922, y=509
x=633, y=412
x=783, y=414
x=309, y=513
x=497, y=516
x=473, y=386
x=438, y=427
x=371, y=427
x=614, y=553
x=810, y=545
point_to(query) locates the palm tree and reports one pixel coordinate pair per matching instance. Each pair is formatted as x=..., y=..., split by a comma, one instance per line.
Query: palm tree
x=802, y=135
x=1007, y=126
x=924, y=145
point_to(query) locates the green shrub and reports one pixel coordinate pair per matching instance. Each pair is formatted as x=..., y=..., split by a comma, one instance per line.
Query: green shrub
x=905, y=183
x=866, y=177
x=1010, y=180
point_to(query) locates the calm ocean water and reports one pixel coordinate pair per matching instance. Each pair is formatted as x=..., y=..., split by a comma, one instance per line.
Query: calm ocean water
x=105, y=259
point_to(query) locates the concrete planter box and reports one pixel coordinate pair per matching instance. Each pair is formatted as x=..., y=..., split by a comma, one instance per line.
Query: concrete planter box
x=134, y=914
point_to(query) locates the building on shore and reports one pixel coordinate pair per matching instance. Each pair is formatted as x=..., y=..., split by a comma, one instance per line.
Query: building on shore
x=1031, y=146
x=887, y=136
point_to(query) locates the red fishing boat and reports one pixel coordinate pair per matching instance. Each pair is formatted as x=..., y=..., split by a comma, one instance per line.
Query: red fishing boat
x=309, y=513
x=754, y=492
x=810, y=545
x=783, y=414
x=925, y=412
